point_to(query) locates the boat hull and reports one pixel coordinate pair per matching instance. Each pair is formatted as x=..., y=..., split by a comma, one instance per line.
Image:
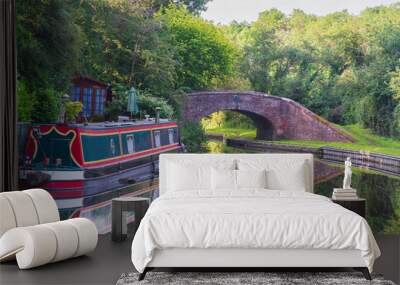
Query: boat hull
x=88, y=193
x=85, y=166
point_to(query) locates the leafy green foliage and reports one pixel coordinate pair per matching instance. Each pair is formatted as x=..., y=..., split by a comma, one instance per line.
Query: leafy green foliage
x=342, y=67
x=46, y=106
x=48, y=46
x=24, y=102
x=124, y=47
x=395, y=84
x=72, y=110
x=124, y=43
x=193, y=137
x=204, y=54
x=227, y=119
x=146, y=102
x=148, y=105
x=193, y=6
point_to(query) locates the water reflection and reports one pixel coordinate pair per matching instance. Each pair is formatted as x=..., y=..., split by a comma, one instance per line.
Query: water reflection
x=381, y=191
x=100, y=213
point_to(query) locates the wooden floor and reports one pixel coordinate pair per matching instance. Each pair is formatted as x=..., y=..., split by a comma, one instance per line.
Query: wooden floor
x=103, y=266
x=110, y=260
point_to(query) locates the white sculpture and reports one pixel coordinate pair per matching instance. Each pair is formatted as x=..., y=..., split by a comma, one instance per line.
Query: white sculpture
x=347, y=174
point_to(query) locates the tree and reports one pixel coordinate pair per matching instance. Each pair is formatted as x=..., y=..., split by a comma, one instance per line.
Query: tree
x=203, y=52
x=193, y=6
x=124, y=47
x=45, y=107
x=193, y=137
x=340, y=66
x=395, y=87
x=48, y=45
x=24, y=103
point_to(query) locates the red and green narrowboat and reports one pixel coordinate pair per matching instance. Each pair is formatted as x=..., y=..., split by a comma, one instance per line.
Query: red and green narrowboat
x=84, y=166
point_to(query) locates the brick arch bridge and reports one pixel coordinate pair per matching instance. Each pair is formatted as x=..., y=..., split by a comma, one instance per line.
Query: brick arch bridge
x=274, y=117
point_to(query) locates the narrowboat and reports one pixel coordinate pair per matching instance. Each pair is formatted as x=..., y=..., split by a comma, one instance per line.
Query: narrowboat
x=84, y=166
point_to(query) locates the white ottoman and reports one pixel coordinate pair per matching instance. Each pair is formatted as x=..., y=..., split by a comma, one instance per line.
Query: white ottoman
x=31, y=232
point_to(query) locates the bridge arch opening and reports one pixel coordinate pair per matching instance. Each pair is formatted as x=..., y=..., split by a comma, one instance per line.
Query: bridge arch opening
x=244, y=119
x=274, y=117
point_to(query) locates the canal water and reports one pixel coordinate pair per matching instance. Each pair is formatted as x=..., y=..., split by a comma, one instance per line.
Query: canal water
x=381, y=191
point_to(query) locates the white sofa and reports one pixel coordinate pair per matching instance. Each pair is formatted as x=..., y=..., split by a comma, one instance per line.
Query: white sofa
x=31, y=231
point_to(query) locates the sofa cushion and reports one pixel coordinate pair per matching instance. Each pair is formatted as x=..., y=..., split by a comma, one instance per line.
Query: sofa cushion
x=46, y=207
x=32, y=246
x=7, y=218
x=87, y=235
x=26, y=208
x=67, y=240
x=23, y=208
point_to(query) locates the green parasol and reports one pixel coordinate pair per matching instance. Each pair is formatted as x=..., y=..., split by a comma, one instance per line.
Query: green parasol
x=132, y=107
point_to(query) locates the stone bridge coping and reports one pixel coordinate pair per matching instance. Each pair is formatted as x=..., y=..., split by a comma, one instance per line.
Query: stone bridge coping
x=252, y=93
x=288, y=100
x=233, y=92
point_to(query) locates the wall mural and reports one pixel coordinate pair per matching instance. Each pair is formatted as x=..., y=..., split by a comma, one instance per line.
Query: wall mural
x=99, y=99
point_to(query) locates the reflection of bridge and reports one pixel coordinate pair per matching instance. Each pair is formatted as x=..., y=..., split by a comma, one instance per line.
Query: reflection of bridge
x=324, y=172
x=274, y=117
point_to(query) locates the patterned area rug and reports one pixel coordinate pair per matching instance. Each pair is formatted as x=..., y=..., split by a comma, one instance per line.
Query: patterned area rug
x=244, y=278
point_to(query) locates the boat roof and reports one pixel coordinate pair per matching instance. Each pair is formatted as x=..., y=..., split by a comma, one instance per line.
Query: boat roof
x=107, y=124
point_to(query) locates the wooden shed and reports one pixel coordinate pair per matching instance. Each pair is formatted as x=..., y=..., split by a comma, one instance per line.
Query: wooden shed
x=93, y=95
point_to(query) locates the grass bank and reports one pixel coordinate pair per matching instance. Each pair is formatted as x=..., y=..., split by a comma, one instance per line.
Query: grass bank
x=365, y=140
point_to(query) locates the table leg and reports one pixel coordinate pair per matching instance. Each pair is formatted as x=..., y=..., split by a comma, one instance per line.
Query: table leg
x=116, y=221
x=124, y=225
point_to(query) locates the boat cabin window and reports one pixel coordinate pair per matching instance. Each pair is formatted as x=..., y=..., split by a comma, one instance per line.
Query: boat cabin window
x=87, y=101
x=99, y=103
x=142, y=140
x=137, y=141
x=157, y=138
x=171, y=136
x=76, y=93
x=130, y=143
x=100, y=147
